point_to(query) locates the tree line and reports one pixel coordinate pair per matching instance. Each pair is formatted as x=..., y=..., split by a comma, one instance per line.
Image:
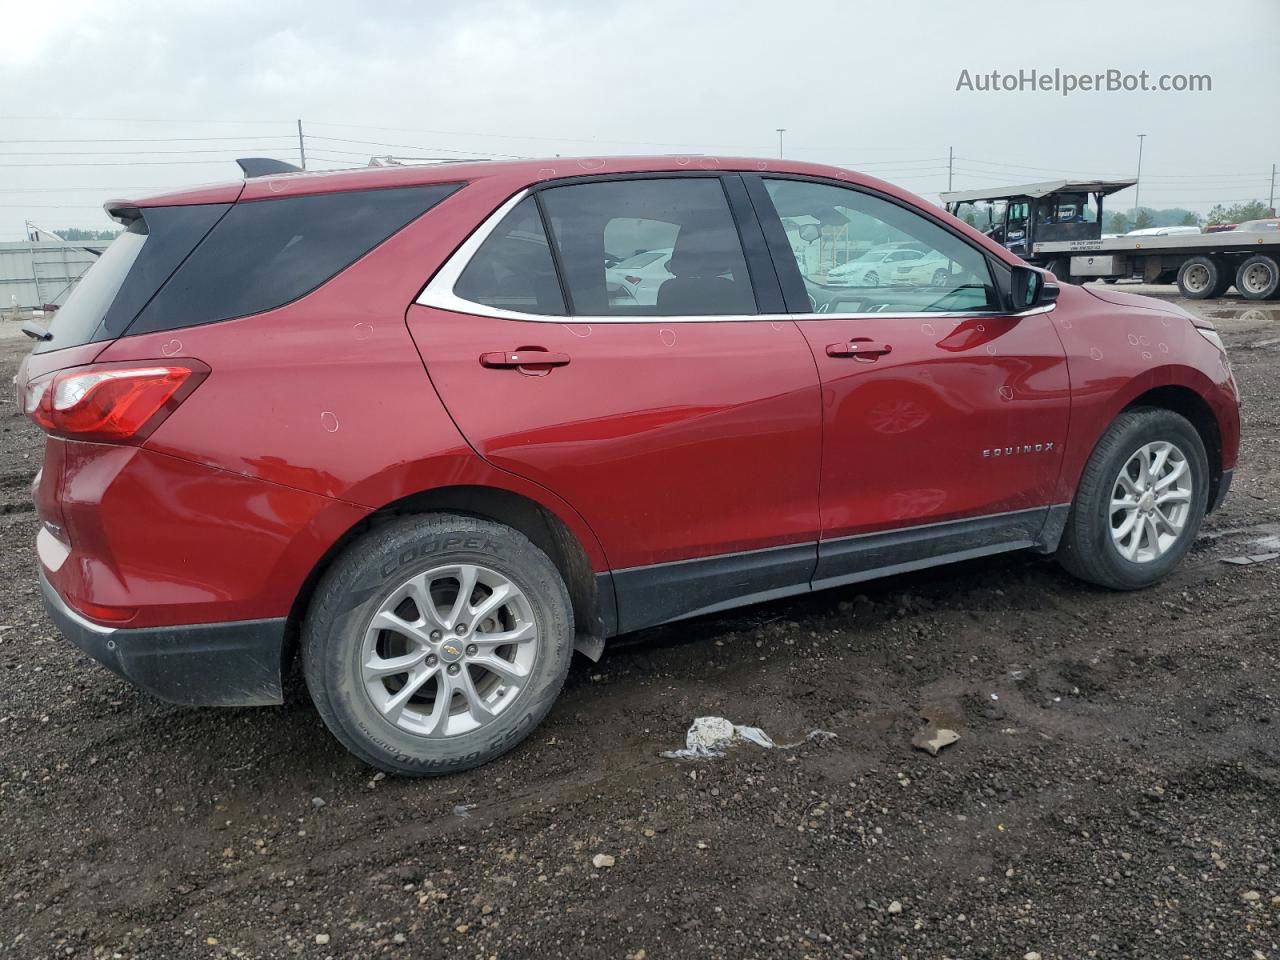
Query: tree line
x=1122, y=221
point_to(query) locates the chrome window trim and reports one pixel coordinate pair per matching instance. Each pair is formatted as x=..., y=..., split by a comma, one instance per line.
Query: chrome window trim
x=439, y=293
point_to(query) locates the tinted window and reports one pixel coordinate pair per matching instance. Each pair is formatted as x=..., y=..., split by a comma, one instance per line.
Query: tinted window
x=513, y=269
x=640, y=259
x=833, y=229
x=265, y=253
x=705, y=274
x=81, y=315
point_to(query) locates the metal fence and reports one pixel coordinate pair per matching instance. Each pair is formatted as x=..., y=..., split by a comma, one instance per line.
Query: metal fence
x=34, y=273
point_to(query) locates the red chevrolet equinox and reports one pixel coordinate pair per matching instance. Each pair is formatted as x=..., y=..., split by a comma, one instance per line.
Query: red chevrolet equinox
x=432, y=428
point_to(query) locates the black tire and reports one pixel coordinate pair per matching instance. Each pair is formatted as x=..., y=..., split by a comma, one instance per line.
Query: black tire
x=1087, y=549
x=352, y=590
x=1203, y=278
x=1258, y=277
x=1110, y=279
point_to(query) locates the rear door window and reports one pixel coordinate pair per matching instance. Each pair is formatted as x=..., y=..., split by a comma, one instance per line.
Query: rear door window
x=686, y=220
x=266, y=253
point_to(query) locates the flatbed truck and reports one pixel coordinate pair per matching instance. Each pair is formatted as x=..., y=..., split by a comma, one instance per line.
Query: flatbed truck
x=1058, y=225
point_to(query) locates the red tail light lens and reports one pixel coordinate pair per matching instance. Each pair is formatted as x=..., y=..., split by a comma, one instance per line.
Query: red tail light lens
x=111, y=403
x=632, y=280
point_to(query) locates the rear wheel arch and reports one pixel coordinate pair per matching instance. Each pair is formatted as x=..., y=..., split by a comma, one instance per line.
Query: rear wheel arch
x=594, y=608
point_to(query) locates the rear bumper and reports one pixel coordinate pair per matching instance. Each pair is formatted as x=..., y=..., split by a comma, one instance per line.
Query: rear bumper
x=234, y=664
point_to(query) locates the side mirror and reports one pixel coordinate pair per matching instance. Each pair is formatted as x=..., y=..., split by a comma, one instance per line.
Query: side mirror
x=1031, y=288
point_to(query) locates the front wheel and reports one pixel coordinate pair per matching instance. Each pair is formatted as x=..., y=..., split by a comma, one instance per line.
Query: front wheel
x=1140, y=501
x=437, y=643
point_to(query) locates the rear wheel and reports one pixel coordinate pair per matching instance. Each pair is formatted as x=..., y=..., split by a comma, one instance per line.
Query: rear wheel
x=1203, y=278
x=1258, y=277
x=437, y=643
x=1140, y=501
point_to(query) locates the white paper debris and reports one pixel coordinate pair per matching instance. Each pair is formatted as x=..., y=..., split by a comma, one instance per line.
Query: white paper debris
x=711, y=736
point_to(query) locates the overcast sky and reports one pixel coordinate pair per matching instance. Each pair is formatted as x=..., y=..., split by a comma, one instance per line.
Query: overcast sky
x=866, y=85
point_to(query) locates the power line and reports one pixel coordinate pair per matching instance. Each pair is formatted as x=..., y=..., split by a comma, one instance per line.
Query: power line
x=149, y=139
x=127, y=153
x=117, y=163
x=414, y=146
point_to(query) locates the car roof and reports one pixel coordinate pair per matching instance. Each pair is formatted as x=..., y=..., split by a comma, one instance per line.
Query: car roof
x=518, y=174
x=526, y=171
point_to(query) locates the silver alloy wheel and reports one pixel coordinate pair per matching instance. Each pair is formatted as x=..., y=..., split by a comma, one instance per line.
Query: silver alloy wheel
x=1255, y=278
x=1196, y=278
x=1150, y=502
x=449, y=650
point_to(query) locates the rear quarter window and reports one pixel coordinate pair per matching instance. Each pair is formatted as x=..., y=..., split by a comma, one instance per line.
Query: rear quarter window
x=266, y=253
x=129, y=273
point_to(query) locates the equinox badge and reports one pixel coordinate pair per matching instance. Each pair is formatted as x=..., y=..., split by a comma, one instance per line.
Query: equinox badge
x=1025, y=448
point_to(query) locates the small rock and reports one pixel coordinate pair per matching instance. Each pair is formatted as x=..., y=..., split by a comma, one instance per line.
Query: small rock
x=322, y=939
x=1031, y=956
x=601, y=860
x=895, y=907
x=317, y=802
x=933, y=739
x=399, y=938
x=462, y=927
x=1251, y=896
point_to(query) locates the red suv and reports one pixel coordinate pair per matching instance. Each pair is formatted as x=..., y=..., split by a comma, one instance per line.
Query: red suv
x=430, y=428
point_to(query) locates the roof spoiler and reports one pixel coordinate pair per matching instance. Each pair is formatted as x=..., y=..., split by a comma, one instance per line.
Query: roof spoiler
x=264, y=166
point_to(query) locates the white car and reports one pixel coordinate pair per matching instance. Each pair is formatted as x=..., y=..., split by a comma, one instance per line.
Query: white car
x=1162, y=231
x=636, y=279
x=891, y=266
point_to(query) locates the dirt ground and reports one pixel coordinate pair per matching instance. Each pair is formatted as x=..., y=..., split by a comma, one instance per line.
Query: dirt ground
x=1115, y=791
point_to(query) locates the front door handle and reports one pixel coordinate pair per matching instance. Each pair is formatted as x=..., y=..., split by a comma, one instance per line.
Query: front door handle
x=860, y=348
x=523, y=358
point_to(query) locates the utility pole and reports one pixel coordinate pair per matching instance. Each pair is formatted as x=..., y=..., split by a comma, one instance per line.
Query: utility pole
x=1137, y=186
x=1272, y=201
x=951, y=155
x=302, y=146
x=781, y=131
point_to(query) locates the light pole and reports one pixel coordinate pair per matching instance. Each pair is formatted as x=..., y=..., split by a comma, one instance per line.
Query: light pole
x=1137, y=181
x=781, y=131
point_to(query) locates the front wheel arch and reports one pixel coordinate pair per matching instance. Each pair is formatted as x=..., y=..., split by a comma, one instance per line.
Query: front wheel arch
x=1190, y=405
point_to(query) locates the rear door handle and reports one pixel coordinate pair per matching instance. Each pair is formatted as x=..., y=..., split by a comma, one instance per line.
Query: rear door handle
x=860, y=348
x=523, y=358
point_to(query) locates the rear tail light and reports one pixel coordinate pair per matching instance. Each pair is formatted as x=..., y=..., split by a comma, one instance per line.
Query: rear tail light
x=630, y=279
x=111, y=403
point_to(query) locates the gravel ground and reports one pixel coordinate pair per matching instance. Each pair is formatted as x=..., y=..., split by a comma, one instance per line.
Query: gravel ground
x=1114, y=792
